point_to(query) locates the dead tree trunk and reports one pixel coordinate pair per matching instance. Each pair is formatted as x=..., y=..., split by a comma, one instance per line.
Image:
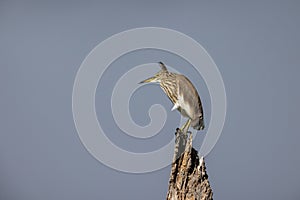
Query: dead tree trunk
x=188, y=179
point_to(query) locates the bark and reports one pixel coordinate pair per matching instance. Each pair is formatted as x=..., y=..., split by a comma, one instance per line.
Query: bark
x=188, y=178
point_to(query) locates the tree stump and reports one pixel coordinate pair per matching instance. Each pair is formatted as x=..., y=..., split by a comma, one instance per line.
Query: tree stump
x=188, y=178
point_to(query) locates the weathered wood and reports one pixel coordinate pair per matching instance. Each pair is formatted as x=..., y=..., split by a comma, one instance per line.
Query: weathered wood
x=188, y=178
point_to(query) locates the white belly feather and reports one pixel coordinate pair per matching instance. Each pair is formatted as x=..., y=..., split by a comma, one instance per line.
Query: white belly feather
x=183, y=108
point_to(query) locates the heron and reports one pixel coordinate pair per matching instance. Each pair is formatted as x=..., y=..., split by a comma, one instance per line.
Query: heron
x=182, y=94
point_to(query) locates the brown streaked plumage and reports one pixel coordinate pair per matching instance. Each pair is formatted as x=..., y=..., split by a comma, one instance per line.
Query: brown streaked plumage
x=183, y=95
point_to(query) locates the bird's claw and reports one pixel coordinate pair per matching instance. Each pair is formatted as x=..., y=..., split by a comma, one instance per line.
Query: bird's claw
x=184, y=131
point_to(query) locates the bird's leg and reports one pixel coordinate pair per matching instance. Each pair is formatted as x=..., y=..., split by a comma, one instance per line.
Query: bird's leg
x=186, y=126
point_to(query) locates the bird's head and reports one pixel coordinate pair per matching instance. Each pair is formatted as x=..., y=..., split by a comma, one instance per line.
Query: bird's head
x=158, y=76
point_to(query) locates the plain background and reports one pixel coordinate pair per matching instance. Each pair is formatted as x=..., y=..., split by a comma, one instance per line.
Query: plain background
x=255, y=44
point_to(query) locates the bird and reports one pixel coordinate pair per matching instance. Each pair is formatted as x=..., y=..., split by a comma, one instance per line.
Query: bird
x=182, y=94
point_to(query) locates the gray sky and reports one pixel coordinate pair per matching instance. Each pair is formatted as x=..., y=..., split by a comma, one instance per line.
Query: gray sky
x=255, y=44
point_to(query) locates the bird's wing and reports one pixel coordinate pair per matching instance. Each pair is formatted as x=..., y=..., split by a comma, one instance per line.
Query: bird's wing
x=188, y=90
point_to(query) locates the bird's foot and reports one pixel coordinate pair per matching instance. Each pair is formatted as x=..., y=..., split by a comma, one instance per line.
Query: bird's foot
x=184, y=131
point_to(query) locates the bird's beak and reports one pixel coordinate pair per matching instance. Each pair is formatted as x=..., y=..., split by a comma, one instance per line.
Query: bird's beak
x=149, y=80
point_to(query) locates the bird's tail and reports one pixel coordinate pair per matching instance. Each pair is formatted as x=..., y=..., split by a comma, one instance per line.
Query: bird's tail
x=198, y=123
